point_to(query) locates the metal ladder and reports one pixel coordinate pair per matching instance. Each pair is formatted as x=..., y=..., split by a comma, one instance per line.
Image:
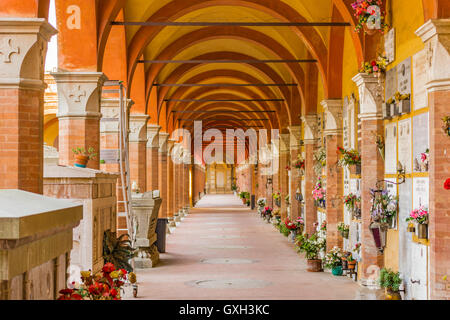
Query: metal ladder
x=124, y=160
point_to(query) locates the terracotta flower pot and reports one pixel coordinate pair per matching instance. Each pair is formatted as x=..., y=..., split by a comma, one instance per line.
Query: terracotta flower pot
x=370, y=32
x=351, y=265
x=314, y=265
x=81, y=161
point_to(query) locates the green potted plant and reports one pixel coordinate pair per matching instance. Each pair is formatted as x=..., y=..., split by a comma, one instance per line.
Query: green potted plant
x=333, y=261
x=344, y=229
x=312, y=246
x=83, y=156
x=391, y=282
x=351, y=262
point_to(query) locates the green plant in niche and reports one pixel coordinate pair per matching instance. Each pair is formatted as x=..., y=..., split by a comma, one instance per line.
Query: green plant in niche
x=118, y=250
x=390, y=280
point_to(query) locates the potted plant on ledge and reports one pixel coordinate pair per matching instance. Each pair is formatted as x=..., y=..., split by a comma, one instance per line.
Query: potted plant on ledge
x=83, y=156
x=344, y=230
x=391, y=282
x=312, y=246
x=333, y=261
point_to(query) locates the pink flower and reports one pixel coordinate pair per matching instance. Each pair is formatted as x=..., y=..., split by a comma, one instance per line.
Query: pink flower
x=375, y=68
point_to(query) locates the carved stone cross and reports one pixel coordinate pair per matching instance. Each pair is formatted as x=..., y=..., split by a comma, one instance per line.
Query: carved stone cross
x=6, y=49
x=77, y=94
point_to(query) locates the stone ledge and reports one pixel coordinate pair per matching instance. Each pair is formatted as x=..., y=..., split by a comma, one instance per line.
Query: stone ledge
x=25, y=214
x=51, y=171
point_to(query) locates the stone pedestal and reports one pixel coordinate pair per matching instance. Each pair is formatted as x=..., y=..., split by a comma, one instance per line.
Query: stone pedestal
x=35, y=243
x=335, y=184
x=79, y=95
x=146, y=208
x=96, y=191
x=23, y=46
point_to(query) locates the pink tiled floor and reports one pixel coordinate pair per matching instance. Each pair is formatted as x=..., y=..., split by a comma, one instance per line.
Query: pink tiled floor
x=276, y=261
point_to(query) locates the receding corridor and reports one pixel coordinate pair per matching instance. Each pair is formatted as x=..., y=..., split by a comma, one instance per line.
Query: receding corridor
x=225, y=241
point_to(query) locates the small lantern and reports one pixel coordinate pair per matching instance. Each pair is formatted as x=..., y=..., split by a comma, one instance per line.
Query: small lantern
x=298, y=195
x=379, y=235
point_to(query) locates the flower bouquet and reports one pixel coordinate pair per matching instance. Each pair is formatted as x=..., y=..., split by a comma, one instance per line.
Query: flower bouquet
x=105, y=285
x=420, y=217
x=350, y=158
x=333, y=261
x=369, y=15
x=319, y=194
x=277, y=198
x=375, y=67
x=344, y=229
x=320, y=160
x=384, y=208
x=323, y=226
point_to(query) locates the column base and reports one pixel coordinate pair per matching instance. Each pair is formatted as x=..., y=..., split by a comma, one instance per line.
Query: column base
x=147, y=258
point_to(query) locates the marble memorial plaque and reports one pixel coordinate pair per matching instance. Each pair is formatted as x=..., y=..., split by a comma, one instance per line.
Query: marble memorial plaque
x=391, y=83
x=421, y=189
x=420, y=80
x=390, y=148
x=420, y=136
x=404, y=76
x=110, y=155
x=389, y=45
x=404, y=144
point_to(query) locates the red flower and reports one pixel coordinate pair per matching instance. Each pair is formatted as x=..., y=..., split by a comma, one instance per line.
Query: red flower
x=76, y=296
x=113, y=292
x=447, y=184
x=374, y=63
x=108, y=268
x=66, y=291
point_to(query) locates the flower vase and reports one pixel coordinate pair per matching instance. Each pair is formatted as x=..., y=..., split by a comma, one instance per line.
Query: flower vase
x=337, y=271
x=411, y=228
x=370, y=32
x=424, y=167
x=422, y=231
x=345, y=234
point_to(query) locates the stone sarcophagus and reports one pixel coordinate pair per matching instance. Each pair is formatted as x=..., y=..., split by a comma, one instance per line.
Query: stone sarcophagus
x=145, y=208
x=35, y=243
x=96, y=191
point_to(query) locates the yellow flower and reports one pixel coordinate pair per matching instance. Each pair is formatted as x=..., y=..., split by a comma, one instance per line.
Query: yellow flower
x=115, y=274
x=85, y=274
x=444, y=278
x=132, y=277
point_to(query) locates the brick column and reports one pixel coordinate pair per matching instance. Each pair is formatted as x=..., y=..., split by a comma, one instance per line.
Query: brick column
x=310, y=139
x=436, y=36
x=186, y=168
x=296, y=183
x=162, y=173
x=152, y=156
x=23, y=47
x=283, y=172
x=79, y=114
x=138, y=150
x=171, y=185
x=372, y=168
x=335, y=188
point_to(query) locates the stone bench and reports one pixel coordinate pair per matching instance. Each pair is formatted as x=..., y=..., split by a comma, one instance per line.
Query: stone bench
x=35, y=242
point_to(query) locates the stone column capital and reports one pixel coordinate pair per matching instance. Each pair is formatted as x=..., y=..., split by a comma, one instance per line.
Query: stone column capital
x=138, y=127
x=296, y=136
x=79, y=94
x=333, y=120
x=436, y=36
x=310, y=125
x=370, y=95
x=285, y=142
x=153, y=135
x=23, y=47
x=110, y=110
x=163, y=138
